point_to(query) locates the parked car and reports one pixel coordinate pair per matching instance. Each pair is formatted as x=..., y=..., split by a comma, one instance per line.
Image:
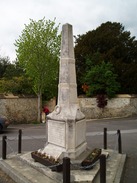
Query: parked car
x=4, y=123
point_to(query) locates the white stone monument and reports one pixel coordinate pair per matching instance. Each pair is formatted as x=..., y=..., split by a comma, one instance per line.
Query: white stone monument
x=66, y=124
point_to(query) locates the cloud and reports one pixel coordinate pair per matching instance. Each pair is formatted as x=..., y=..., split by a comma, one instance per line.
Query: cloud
x=84, y=15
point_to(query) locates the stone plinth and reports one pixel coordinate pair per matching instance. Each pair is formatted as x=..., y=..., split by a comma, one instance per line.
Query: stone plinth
x=66, y=138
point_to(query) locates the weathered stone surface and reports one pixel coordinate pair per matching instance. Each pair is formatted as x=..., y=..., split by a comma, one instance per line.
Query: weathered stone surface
x=57, y=132
x=120, y=106
x=19, y=110
x=66, y=124
x=68, y=106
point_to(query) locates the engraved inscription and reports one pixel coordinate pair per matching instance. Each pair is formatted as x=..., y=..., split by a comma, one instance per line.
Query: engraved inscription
x=56, y=133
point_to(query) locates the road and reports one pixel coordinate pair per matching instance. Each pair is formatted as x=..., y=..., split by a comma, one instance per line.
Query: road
x=34, y=137
x=128, y=127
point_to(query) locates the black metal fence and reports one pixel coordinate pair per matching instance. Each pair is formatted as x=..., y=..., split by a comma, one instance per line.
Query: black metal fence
x=119, y=140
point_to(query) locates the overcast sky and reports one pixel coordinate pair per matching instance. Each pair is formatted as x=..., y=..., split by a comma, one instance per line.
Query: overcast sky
x=84, y=15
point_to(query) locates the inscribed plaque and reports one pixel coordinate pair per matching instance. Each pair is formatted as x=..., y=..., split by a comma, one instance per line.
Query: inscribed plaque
x=56, y=133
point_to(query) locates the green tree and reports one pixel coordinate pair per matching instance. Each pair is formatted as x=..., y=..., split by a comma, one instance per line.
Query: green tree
x=16, y=85
x=101, y=79
x=109, y=42
x=14, y=80
x=38, y=50
x=4, y=63
x=13, y=70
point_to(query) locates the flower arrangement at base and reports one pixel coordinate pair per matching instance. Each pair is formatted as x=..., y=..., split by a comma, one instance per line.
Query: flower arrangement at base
x=47, y=160
x=90, y=160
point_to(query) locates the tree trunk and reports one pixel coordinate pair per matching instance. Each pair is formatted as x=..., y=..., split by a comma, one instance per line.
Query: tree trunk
x=39, y=108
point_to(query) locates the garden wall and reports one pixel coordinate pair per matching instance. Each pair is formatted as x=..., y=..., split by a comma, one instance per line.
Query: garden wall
x=18, y=108
x=24, y=109
x=120, y=106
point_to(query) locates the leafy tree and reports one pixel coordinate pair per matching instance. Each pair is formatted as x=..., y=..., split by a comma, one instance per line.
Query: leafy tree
x=13, y=70
x=109, y=42
x=13, y=78
x=101, y=79
x=4, y=63
x=38, y=50
x=16, y=85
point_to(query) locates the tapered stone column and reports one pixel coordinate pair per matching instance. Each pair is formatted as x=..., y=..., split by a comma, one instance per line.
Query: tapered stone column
x=66, y=124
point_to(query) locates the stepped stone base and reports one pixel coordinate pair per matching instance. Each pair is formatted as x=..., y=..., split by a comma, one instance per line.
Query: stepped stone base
x=23, y=169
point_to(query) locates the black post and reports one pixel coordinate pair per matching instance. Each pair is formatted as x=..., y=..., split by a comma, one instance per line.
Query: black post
x=102, y=168
x=66, y=170
x=19, y=141
x=4, y=147
x=105, y=138
x=119, y=142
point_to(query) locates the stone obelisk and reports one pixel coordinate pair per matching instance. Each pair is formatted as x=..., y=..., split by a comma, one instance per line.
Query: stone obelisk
x=66, y=124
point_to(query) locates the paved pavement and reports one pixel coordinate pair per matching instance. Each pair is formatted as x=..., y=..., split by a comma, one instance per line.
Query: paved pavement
x=4, y=178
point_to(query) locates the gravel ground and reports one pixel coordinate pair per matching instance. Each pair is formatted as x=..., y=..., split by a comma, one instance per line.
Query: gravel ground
x=5, y=178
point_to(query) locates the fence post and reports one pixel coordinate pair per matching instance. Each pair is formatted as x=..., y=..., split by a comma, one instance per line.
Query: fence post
x=119, y=142
x=102, y=168
x=105, y=138
x=19, y=141
x=66, y=170
x=4, y=147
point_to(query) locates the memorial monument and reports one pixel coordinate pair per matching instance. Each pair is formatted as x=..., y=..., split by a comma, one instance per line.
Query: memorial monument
x=66, y=125
x=66, y=137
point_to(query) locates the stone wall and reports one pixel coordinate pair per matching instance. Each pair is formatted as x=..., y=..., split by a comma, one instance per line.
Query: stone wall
x=24, y=109
x=120, y=106
x=19, y=109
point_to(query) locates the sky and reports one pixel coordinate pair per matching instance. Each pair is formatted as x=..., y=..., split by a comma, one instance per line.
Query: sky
x=83, y=15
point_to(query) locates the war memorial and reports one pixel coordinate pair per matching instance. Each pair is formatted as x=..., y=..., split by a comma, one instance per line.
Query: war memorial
x=66, y=136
